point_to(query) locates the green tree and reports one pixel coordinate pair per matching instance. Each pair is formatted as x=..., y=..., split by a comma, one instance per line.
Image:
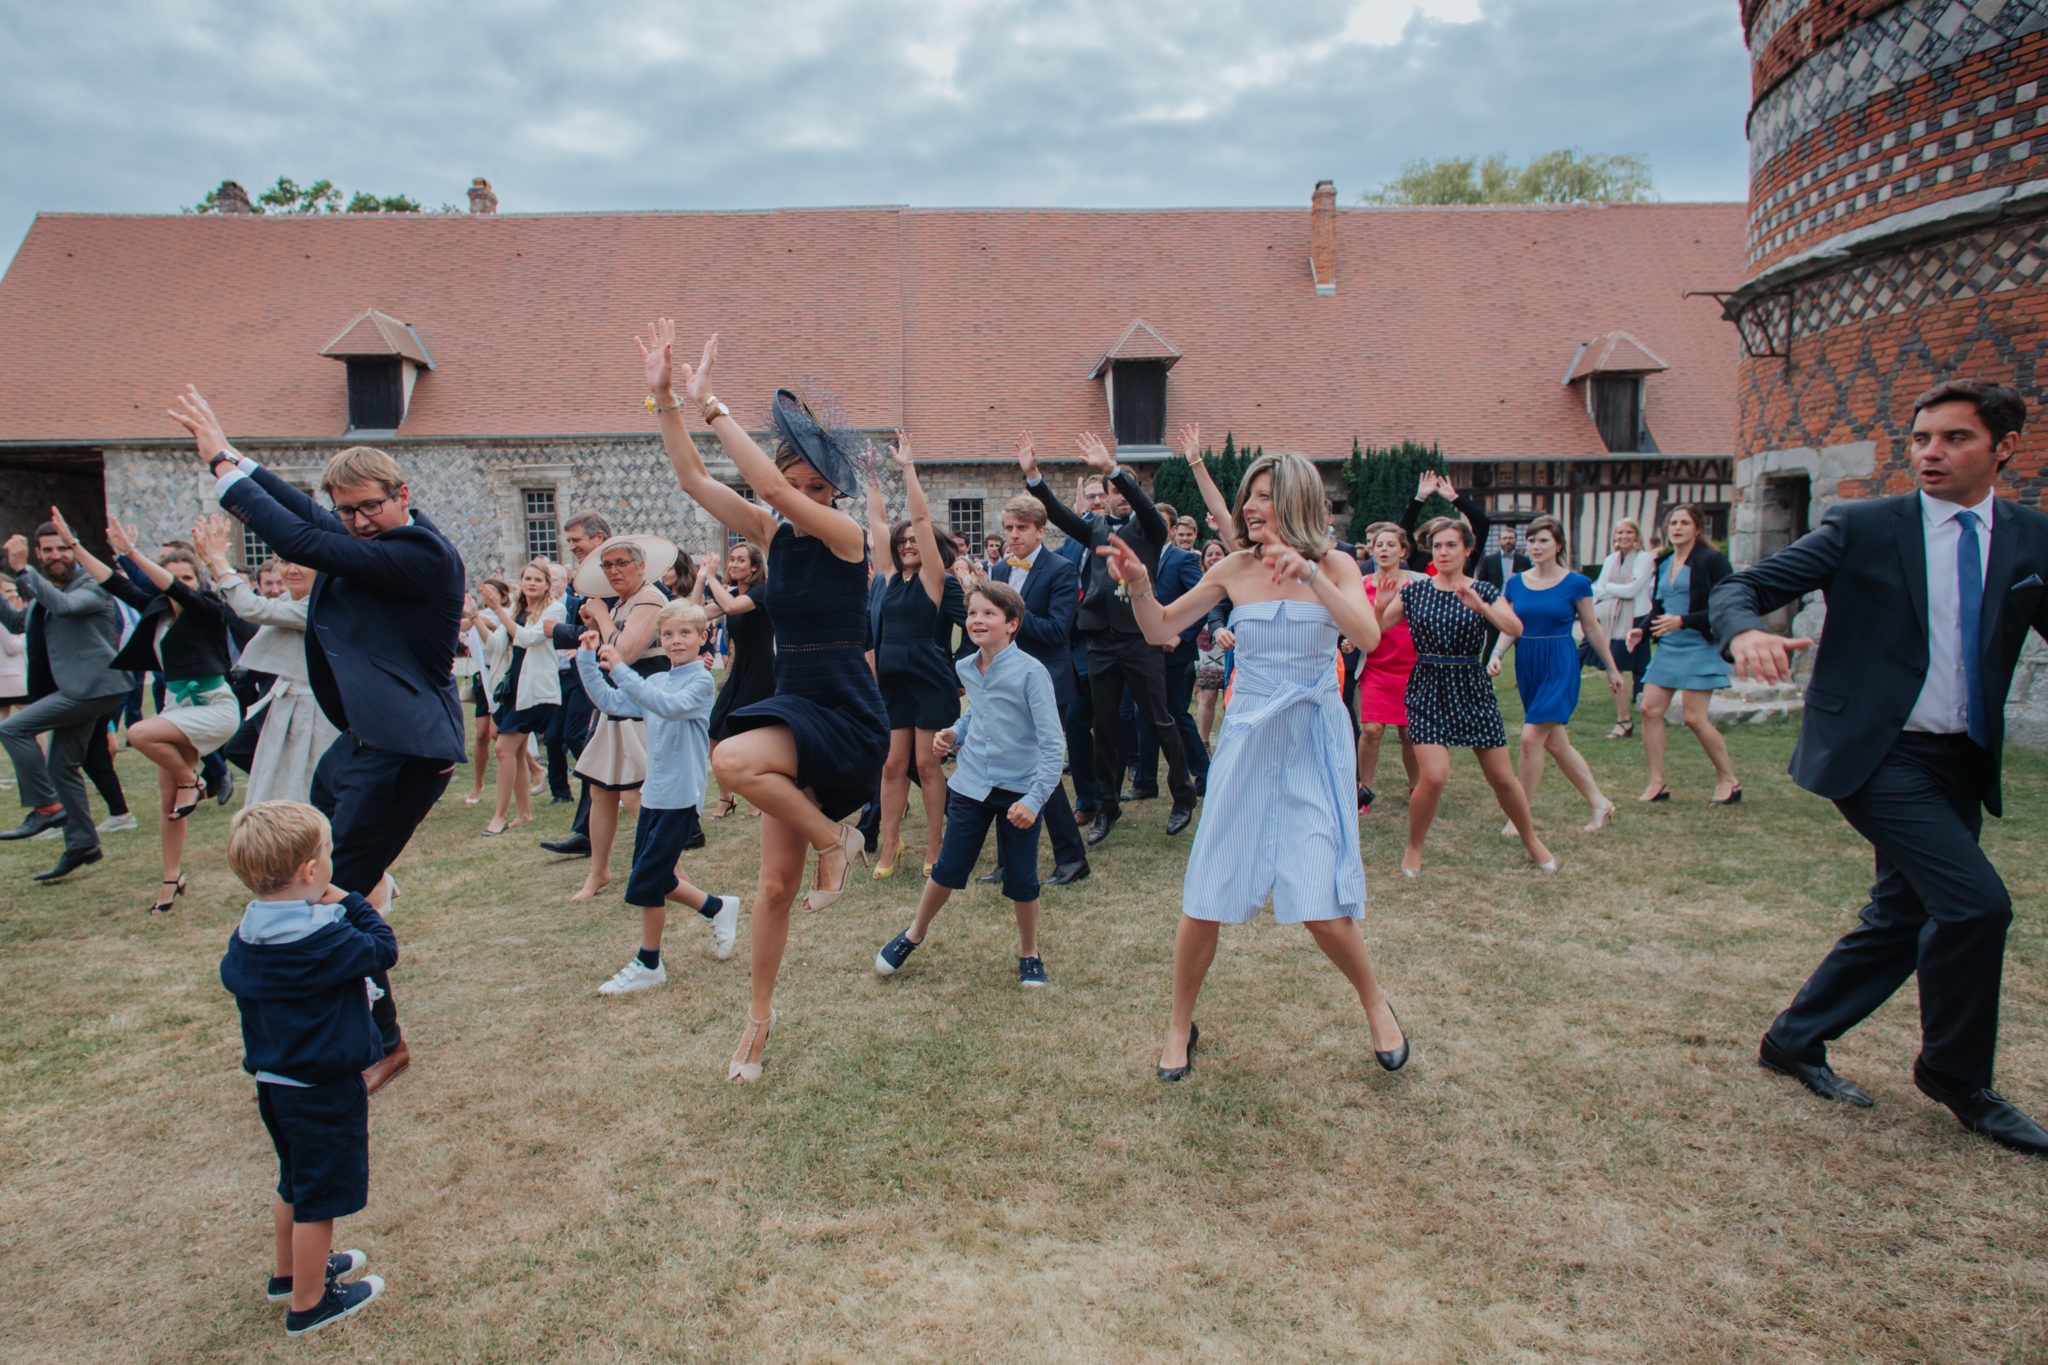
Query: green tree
x=365, y=202
x=1382, y=482
x=322, y=196
x=1565, y=176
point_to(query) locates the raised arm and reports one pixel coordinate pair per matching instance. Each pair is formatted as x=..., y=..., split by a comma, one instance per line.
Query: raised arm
x=1212, y=496
x=103, y=573
x=1738, y=603
x=1163, y=624
x=1069, y=521
x=931, y=569
x=604, y=694
x=1100, y=459
x=657, y=350
x=877, y=506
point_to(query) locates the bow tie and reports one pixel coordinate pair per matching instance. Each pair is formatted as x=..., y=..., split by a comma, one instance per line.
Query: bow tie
x=1017, y=563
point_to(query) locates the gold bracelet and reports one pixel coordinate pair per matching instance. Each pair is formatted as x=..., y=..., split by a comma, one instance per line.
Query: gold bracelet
x=1194, y=464
x=713, y=409
x=672, y=407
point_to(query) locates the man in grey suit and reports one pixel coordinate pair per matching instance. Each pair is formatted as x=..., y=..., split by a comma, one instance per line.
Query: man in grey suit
x=73, y=629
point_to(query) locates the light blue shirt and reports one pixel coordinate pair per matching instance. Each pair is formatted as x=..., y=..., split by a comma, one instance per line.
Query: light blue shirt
x=677, y=708
x=1010, y=735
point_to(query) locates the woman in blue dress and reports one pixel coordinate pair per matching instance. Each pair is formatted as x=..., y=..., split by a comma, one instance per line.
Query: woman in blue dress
x=1281, y=816
x=807, y=757
x=1688, y=661
x=1548, y=599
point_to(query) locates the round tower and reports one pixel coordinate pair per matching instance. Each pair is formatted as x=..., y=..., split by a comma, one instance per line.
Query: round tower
x=1898, y=236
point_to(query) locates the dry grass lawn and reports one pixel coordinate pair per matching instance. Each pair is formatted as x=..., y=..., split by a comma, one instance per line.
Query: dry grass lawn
x=1582, y=1162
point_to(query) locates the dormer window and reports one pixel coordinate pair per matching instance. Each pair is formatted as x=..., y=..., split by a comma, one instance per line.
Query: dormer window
x=1615, y=369
x=1133, y=372
x=384, y=357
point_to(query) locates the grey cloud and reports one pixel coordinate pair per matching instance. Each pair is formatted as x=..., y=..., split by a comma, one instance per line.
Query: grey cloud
x=141, y=107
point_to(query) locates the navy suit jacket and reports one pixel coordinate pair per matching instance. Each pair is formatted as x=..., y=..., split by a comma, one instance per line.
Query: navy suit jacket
x=1179, y=570
x=381, y=621
x=1052, y=595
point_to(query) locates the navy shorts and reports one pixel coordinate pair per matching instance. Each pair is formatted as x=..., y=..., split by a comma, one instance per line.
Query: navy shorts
x=658, y=839
x=967, y=822
x=322, y=1136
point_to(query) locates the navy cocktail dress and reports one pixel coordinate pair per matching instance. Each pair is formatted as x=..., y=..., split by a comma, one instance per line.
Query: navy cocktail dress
x=1547, y=666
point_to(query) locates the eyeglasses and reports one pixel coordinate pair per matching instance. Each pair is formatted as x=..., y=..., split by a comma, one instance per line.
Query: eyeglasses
x=365, y=510
x=615, y=565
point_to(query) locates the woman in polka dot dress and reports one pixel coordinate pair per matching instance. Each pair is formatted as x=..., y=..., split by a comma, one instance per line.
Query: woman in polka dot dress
x=1450, y=698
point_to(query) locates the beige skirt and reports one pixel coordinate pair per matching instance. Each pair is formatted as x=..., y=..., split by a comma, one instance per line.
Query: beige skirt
x=210, y=722
x=615, y=757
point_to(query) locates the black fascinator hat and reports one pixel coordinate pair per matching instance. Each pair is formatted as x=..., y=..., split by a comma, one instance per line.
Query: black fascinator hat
x=822, y=450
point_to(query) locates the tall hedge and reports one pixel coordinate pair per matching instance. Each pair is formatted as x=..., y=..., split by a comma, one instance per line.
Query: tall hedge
x=1172, y=482
x=1382, y=481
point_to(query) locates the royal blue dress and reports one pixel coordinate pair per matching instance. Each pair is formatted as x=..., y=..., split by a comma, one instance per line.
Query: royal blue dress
x=1546, y=657
x=824, y=692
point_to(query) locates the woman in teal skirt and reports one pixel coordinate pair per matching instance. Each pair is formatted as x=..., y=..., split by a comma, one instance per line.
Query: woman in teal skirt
x=1688, y=661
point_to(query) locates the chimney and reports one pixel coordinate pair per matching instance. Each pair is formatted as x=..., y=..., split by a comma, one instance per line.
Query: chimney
x=481, y=200
x=1322, y=238
x=232, y=198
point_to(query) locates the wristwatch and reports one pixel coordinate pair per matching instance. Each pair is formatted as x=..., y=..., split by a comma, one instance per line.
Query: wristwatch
x=713, y=409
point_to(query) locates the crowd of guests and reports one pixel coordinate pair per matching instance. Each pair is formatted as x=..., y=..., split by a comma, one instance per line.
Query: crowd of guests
x=862, y=657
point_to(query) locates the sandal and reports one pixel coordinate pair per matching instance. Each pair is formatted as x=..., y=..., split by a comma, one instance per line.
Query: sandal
x=197, y=787
x=164, y=904
x=737, y=1070
x=850, y=846
x=724, y=808
x=1622, y=729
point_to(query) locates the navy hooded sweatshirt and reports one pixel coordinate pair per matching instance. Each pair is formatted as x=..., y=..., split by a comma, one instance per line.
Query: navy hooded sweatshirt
x=305, y=1013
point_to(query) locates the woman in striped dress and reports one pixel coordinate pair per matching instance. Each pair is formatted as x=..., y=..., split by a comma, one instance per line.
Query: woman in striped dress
x=1280, y=818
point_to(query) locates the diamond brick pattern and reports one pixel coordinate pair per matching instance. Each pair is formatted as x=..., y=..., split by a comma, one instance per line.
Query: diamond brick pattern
x=1993, y=261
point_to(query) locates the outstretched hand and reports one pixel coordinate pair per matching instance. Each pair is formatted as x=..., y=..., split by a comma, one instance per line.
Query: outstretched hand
x=1191, y=442
x=1283, y=562
x=210, y=536
x=1096, y=454
x=192, y=412
x=657, y=354
x=1027, y=456
x=1125, y=566
x=64, y=529
x=697, y=382
x=120, y=539
x=901, y=452
x=1762, y=656
x=17, y=553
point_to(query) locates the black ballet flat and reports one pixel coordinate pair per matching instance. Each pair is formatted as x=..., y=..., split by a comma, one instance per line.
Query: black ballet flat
x=1398, y=1058
x=1733, y=797
x=1180, y=1073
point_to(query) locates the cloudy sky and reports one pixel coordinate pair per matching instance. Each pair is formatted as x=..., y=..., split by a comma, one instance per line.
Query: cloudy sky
x=140, y=106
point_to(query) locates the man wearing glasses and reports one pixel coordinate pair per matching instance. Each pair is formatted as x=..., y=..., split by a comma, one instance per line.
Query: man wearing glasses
x=381, y=633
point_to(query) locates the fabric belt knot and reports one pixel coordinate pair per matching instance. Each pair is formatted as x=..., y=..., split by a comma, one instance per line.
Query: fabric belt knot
x=1263, y=706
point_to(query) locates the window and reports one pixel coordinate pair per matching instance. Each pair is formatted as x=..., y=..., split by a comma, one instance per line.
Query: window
x=376, y=393
x=254, y=551
x=543, y=532
x=963, y=517
x=1137, y=401
x=1618, y=411
x=733, y=537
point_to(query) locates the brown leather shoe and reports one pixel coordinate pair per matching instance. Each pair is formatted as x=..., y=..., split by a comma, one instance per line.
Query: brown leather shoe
x=380, y=1072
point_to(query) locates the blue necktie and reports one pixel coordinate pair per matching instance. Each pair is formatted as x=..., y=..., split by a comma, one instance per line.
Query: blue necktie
x=1970, y=588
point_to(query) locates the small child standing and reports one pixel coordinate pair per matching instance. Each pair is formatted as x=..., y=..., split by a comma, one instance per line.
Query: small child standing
x=296, y=966
x=1011, y=745
x=677, y=708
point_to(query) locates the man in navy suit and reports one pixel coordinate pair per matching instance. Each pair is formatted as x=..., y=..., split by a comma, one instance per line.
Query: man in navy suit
x=1930, y=597
x=1051, y=588
x=381, y=627
x=583, y=534
x=1180, y=569
x=1091, y=496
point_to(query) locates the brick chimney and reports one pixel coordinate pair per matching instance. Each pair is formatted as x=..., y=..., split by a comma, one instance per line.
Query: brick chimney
x=1322, y=237
x=232, y=198
x=481, y=199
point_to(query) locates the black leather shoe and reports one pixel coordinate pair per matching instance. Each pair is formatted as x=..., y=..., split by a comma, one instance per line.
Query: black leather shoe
x=1066, y=874
x=34, y=823
x=1133, y=794
x=1179, y=819
x=695, y=841
x=227, y=788
x=1084, y=813
x=569, y=846
x=1398, y=1058
x=1105, y=821
x=1180, y=1073
x=1820, y=1079
x=990, y=877
x=1983, y=1110
x=73, y=859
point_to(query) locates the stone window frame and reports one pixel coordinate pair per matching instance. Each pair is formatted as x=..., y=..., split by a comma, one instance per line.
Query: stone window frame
x=978, y=497
x=509, y=485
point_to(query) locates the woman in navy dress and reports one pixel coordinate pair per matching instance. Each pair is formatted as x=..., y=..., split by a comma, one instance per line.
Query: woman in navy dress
x=919, y=605
x=807, y=756
x=750, y=676
x=1450, y=699
x=1548, y=599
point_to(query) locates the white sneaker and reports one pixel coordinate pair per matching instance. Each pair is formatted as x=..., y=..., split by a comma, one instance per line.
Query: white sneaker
x=114, y=824
x=53, y=832
x=634, y=977
x=725, y=926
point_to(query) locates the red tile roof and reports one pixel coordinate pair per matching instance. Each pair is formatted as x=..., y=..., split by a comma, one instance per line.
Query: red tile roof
x=1614, y=353
x=962, y=325
x=379, y=334
x=1139, y=342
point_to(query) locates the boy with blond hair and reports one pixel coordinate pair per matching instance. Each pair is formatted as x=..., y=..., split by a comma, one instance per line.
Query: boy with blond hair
x=296, y=966
x=677, y=708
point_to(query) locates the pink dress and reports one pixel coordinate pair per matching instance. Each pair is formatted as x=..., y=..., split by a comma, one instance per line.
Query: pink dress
x=1383, y=682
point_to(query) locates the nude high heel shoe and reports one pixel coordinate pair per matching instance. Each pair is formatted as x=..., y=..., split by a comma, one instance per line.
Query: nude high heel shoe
x=850, y=847
x=749, y=1072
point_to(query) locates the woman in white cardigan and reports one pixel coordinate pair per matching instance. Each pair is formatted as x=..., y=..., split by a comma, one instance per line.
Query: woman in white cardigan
x=1622, y=595
x=526, y=688
x=295, y=731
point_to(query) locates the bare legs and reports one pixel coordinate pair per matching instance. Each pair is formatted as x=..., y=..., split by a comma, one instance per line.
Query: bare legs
x=1194, y=949
x=165, y=745
x=1370, y=733
x=934, y=900
x=1555, y=739
x=604, y=828
x=1693, y=707
x=1205, y=711
x=895, y=795
x=302, y=1244
x=912, y=749
x=512, y=783
x=486, y=732
x=1435, y=763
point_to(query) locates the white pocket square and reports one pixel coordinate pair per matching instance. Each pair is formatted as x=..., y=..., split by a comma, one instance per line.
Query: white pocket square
x=2032, y=580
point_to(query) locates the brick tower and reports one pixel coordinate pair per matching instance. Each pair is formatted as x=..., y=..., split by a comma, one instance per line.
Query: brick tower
x=1898, y=235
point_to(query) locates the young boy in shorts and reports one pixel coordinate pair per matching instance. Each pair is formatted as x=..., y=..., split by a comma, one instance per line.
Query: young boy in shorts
x=1011, y=744
x=677, y=708
x=296, y=966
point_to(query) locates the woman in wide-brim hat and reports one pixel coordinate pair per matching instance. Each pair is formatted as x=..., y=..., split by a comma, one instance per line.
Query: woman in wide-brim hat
x=621, y=600
x=810, y=755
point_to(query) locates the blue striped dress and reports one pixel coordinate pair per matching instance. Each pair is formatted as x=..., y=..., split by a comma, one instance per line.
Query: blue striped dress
x=1281, y=815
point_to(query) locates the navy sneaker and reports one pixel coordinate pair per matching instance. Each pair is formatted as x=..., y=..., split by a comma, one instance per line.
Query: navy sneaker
x=338, y=1302
x=1030, y=971
x=894, y=954
x=339, y=1264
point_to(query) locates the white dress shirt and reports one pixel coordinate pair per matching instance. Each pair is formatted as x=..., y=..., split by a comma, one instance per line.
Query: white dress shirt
x=1943, y=705
x=1017, y=575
